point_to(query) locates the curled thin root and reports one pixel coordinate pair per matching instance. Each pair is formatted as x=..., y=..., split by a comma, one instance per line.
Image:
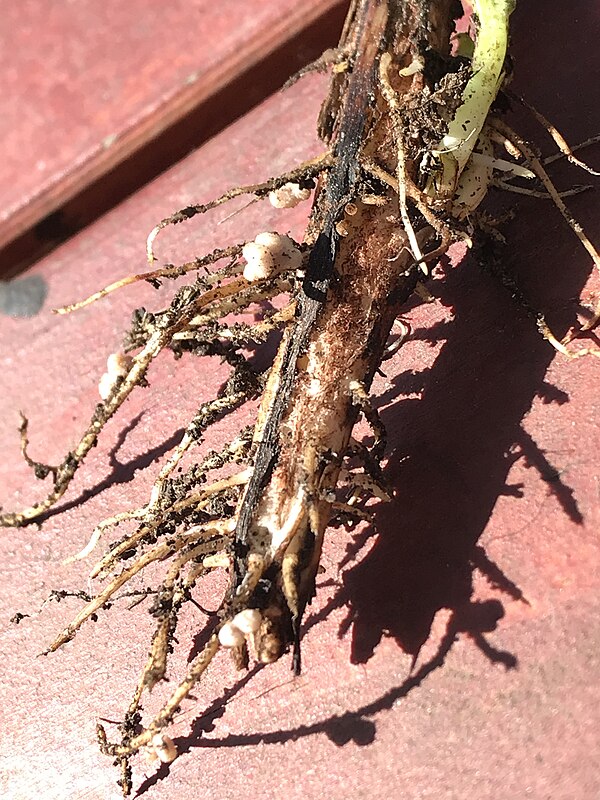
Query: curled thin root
x=303, y=173
x=156, y=275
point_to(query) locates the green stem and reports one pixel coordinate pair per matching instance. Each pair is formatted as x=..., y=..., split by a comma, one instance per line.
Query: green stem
x=480, y=92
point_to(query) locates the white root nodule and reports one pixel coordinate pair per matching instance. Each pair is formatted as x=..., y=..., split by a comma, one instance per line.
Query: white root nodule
x=269, y=253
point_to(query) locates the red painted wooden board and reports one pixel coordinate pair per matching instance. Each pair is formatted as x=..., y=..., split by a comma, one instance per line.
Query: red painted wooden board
x=485, y=566
x=85, y=84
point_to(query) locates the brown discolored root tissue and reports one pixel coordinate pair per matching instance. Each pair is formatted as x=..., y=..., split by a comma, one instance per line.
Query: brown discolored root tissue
x=384, y=209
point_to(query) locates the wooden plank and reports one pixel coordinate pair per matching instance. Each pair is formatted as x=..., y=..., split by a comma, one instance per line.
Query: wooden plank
x=87, y=84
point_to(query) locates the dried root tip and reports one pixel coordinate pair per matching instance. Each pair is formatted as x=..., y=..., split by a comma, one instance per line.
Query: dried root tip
x=288, y=196
x=561, y=346
x=41, y=471
x=268, y=253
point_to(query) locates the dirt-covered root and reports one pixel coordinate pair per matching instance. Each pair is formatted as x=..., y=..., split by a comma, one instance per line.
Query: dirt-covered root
x=414, y=147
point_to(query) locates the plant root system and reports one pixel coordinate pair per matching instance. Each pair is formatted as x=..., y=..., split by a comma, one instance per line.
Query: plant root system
x=395, y=188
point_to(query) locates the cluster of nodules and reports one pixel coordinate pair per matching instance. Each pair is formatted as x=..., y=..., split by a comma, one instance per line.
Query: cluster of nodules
x=245, y=623
x=268, y=254
x=289, y=195
x=232, y=634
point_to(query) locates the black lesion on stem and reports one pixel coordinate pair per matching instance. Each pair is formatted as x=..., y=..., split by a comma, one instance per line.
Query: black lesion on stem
x=341, y=180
